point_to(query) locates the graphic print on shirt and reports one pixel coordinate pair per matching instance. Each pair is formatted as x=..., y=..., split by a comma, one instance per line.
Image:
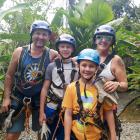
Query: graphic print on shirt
x=89, y=103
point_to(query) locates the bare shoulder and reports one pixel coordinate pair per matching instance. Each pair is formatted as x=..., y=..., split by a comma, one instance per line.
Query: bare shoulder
x=17, y=53
x=117, y=60
x=53, y=54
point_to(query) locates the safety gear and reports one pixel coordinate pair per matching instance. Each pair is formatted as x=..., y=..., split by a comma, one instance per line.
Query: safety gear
x=40, y=24
x=60, y=79
x=89, y=54
x=81, y=116
x=107, y=30
x=30, y=84
x=45, y=131
x=66, y=38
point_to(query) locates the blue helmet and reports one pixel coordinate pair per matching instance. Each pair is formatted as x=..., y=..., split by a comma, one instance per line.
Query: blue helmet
x=40, y=24
x=65, y=38
x=107, y=30
x=89, y=54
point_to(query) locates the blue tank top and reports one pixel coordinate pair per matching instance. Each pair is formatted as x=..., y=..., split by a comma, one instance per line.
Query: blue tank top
x=32, y=73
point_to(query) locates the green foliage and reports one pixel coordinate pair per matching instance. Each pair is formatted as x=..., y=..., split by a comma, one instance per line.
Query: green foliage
x=84, y=19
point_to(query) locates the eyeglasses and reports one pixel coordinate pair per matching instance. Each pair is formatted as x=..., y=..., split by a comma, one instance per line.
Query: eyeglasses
x=106, y=37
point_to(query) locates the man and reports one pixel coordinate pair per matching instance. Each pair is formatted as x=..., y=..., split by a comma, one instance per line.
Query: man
x=25, y=76
x=58, y=75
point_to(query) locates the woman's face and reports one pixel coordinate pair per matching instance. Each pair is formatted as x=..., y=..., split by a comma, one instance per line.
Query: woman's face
x=103, y=42
x=87, y=69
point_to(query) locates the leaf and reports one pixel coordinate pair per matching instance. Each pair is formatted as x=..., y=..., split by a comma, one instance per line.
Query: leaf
x=57, y=20
x=14, y=9
x=15, y=36
x=1, y=2
x=5, y=58
x=1, y=85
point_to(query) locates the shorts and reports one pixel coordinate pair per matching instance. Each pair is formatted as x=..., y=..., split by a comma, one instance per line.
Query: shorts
x=18, y=124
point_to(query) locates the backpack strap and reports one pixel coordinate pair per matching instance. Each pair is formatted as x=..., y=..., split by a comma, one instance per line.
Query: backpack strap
x=102, y=65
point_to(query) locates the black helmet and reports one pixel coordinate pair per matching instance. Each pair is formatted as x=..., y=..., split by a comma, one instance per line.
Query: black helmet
x=40, y=24
x=107, y=30
x=65, y=38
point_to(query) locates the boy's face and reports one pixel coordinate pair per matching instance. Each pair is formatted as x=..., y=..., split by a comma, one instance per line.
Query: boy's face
x=87, y=69
x=103, y=42
x=40, y=37
x=65, y=50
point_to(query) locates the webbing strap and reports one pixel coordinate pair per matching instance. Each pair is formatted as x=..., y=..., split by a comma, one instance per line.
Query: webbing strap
x=73, y=72
x=102, y=65
x=42, y=59
x=79, y=100
x=60, y=70
x=22, y=56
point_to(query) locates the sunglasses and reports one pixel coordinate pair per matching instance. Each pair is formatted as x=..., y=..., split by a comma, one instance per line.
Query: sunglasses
x=108, y=38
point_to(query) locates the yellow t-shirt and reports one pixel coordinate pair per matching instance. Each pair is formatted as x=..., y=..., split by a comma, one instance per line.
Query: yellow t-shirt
x=89, y=104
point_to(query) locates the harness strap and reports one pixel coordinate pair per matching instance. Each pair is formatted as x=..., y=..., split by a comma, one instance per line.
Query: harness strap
x=42, y=59
x=73, y=72
x=102, y=65
x=79, y=100
x=60, y=70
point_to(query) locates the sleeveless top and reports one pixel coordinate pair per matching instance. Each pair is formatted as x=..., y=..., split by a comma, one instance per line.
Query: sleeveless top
x=31, y=80
x=107, y=72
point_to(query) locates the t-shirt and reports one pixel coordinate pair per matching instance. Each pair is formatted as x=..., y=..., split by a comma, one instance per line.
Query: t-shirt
x=89, y=104
x=56, y=83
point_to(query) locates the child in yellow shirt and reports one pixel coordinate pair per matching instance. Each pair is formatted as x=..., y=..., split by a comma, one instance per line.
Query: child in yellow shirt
x=83, y=114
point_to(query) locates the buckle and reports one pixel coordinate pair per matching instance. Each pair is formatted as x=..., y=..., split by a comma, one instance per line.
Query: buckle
x=59, y=70
x=102, y=66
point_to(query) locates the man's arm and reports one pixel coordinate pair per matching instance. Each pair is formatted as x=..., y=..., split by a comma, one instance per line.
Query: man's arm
x=9, y=78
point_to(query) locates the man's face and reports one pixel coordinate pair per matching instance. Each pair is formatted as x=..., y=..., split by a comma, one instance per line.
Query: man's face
x=65, y=50
x=103, y=42
x=40, y=37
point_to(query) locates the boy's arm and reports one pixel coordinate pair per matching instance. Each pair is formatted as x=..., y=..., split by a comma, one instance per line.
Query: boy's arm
x=68, y=123
x=43, y=99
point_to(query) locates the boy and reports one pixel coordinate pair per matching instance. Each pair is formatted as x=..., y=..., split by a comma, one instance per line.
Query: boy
x=58, y=75
x=83, y=114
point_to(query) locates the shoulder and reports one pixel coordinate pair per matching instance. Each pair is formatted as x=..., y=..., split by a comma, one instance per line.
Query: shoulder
x=117, y=60
x=16, y=54
x=51, y=66
x=71, y=86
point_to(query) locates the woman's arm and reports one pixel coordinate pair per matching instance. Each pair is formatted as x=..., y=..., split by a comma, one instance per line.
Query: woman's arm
x=118, y=70
x=68, y=123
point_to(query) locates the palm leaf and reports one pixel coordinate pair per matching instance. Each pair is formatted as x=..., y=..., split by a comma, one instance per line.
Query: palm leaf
x=13, y=9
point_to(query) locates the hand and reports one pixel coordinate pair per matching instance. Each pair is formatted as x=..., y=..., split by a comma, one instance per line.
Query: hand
x=111, y=86
x=42, y=118
x=6, y=104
